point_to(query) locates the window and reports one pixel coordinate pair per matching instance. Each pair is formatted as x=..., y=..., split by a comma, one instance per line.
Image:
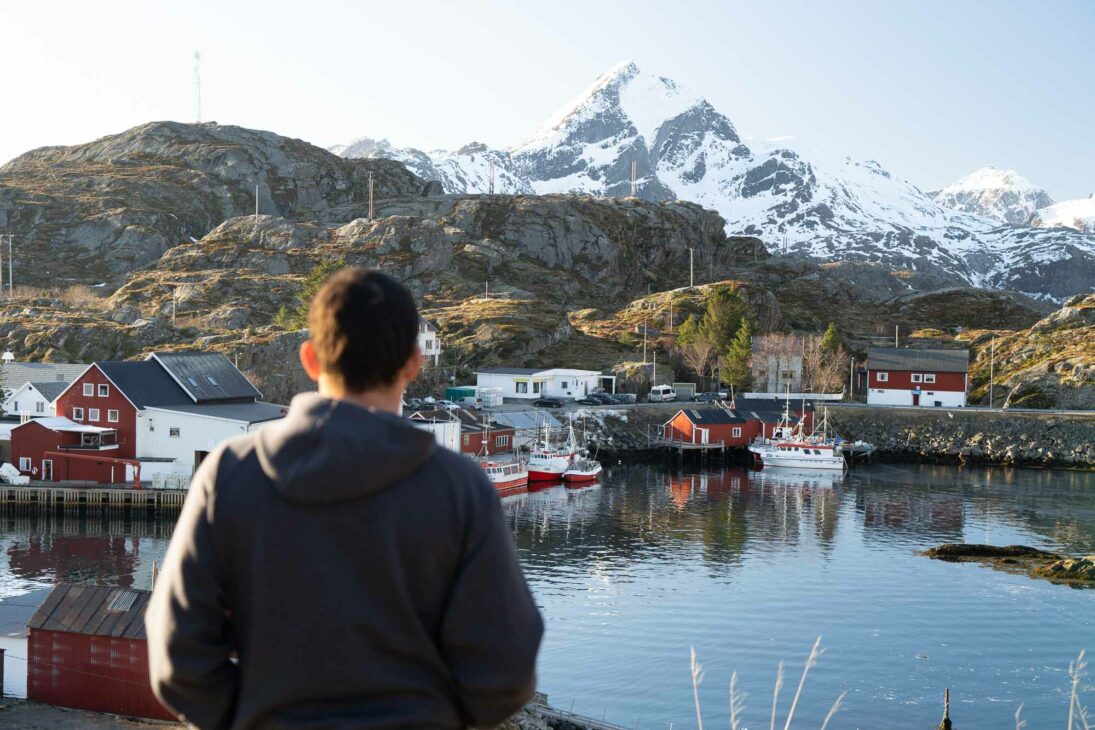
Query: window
x=93, y=414
x=929, y=377
x=89, y=389
x=563, y=385
x=535, y=387
x=193, y=383
x=501, y=441
x=917, y=378
x=24, y=463
x=151, y=427
x=788, y=374
x=467, y=439
x=736, y=432
x=112, y=417
x=40, y=407
x=173, y=432
x=212, y=380
x=521, y=387
x=104, y=390
x=882, y=377
x=77, y=414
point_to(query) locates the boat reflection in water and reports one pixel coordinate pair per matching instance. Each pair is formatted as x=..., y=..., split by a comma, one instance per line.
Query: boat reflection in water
x=798, y=478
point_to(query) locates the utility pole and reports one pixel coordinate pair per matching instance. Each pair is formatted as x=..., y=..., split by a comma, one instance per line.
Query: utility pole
x=197, y=87
x=644, y=339
x=633, y=178
x=11, y=291
x=851, y=382
x=992, y=367
x=256, y=201
x=654, y=375
x=670, y=312
x=174, y=304
x=490, y=179
x=896, y=328
x=691, y=268
x=372, y=207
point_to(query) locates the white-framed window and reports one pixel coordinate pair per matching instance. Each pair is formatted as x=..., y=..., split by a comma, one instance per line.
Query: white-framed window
x=39, y=407
x=736, y=432
x=104, y=390
x=882, y=377
x=24, y=463
x=93, y=414
x=535, y=387
x=521, y=387
x=929, y=377
x=112, y=416
x=917, y=378
x=173, y=432
x=563, y=385
x=15, y=407
x=501, y=440
x=89, y=389
x=467, y=439
x=77, y=414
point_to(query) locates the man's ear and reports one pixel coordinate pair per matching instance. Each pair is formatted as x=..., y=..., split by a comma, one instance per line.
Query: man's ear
x=309, y=360
x=412, y=367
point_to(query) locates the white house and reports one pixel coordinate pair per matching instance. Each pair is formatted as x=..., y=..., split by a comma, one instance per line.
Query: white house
x=533, y=383
x=429, y=342
x=16, y=374
x=35, y=399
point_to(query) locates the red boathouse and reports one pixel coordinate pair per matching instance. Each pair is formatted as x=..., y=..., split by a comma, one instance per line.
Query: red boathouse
x=88, y=650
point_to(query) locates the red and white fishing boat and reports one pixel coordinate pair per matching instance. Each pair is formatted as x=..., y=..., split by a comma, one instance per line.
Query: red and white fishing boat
x=582, y=470
x=506, y=476
x=548, y=463
x=791, y=447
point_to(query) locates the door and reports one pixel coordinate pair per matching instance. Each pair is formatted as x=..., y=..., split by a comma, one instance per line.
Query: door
x=916, y=399
x=199, y=457
x=47, y=470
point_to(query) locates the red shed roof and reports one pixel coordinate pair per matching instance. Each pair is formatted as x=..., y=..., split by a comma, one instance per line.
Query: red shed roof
x=94, y=610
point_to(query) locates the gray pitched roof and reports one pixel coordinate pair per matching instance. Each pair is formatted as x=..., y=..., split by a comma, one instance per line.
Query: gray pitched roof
x=248, y=412
x=144, y=383
x=50, y=389
x=95, y=610
x=17, y=373
x=711, y=416
x=901, y=358
x=207, y=377
x=510, y=371
x=527, y=419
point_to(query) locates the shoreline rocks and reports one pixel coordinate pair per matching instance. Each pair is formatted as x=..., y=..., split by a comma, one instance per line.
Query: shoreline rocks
x=1021, y=559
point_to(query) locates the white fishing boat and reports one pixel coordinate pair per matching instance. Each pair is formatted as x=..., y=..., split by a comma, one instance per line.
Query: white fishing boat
x=505, y=475
x=791, y=447
x=547, y=462
x=583, y=470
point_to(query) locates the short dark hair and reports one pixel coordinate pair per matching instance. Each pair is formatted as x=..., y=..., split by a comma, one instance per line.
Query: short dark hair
x=364, y=326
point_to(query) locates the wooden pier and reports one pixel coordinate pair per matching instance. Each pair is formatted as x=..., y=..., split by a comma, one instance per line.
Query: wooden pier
x=78, y=496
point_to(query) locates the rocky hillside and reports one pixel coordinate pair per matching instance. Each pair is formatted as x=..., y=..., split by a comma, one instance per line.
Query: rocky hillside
x=792, y=198
x=93, y=212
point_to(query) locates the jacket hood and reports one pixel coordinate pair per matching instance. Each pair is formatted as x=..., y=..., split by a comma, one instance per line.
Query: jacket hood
x=328, y=451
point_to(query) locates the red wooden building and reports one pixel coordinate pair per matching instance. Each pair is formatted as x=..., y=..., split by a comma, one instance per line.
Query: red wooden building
x=88, y=650
x=914, y=377
x=59, y=449
x=499, y=439
x=735, y=424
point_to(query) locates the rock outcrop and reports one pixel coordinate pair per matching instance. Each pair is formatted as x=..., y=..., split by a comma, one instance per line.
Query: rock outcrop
x=1076, y=572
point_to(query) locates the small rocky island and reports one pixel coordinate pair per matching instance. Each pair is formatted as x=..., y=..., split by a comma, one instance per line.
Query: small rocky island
x=1077, y=572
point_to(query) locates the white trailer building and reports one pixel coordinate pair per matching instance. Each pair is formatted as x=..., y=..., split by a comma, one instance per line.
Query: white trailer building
x=533, y=383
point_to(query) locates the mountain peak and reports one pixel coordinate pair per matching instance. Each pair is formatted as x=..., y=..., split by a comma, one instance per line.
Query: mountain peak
x=991, y=178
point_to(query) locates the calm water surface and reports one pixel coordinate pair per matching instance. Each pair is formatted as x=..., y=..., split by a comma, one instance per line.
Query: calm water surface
x=749, y=569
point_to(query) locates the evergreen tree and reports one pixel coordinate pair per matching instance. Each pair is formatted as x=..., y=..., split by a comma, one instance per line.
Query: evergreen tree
x=725, y=312
x=297, y=318
x=830, y=341
x=737, y=371
x=689, y=331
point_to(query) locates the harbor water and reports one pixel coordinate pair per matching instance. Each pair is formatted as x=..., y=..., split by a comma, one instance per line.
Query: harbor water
x=747, y=568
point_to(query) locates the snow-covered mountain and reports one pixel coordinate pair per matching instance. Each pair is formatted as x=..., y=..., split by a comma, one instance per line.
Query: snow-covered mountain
x=1002, y=195
x=788, y=195
x=1078, y=214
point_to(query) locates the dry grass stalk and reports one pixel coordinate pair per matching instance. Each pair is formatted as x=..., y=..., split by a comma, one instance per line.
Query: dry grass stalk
x=834, y=709
x=775, y=693
x=1075, y=670
x=815, y=652
x=697, y=677
x=1019, y=722
x=737, y=703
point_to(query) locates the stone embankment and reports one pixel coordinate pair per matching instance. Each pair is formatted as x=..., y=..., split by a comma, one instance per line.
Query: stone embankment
x=972, y=436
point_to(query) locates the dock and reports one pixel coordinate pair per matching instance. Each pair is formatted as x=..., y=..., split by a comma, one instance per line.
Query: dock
x=91, y=496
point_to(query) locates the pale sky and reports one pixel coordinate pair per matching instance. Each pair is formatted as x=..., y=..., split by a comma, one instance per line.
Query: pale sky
x=931, y=89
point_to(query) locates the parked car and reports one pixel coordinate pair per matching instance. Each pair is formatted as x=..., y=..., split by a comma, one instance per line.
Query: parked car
x=589, y=400
x=470, y=401
x=448, y=405
x=625, y=397
x=708, y=397
x=604, y=399
x=549, y=402
x=661, y=394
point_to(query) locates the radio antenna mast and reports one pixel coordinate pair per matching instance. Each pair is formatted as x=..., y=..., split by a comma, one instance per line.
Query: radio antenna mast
x=197, y=87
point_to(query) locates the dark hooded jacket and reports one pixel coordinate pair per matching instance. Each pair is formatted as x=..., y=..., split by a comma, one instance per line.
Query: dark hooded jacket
x=364, y=577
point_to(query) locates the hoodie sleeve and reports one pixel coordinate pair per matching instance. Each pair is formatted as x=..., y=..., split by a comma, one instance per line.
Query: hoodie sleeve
x=491, y=630
x=189, y=643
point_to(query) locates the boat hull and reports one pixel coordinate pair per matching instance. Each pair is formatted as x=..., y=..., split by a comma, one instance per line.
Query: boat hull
x=581, y=476
x=782, y=459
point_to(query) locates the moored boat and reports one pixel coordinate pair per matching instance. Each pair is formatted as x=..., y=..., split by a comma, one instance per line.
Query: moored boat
x=505, y=475
x=548, y=463
x=791, y=447
x=582, y=470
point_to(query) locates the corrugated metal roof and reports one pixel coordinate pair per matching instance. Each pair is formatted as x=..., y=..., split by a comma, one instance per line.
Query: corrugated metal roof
x=65, y=425
x=525, y=420
x=256, y=412
x=901, y=358
x=93, y=610
x=144, y=383
x=50, y=389
x=207, y=377
x=17, y=373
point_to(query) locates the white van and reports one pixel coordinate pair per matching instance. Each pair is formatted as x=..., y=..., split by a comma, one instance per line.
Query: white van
x=661, y=394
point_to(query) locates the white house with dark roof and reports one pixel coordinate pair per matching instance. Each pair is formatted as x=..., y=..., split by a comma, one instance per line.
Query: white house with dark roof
x=36, y=400
x=533, y=383
x=429, y=341
x=900, y=376
x=17, y=374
